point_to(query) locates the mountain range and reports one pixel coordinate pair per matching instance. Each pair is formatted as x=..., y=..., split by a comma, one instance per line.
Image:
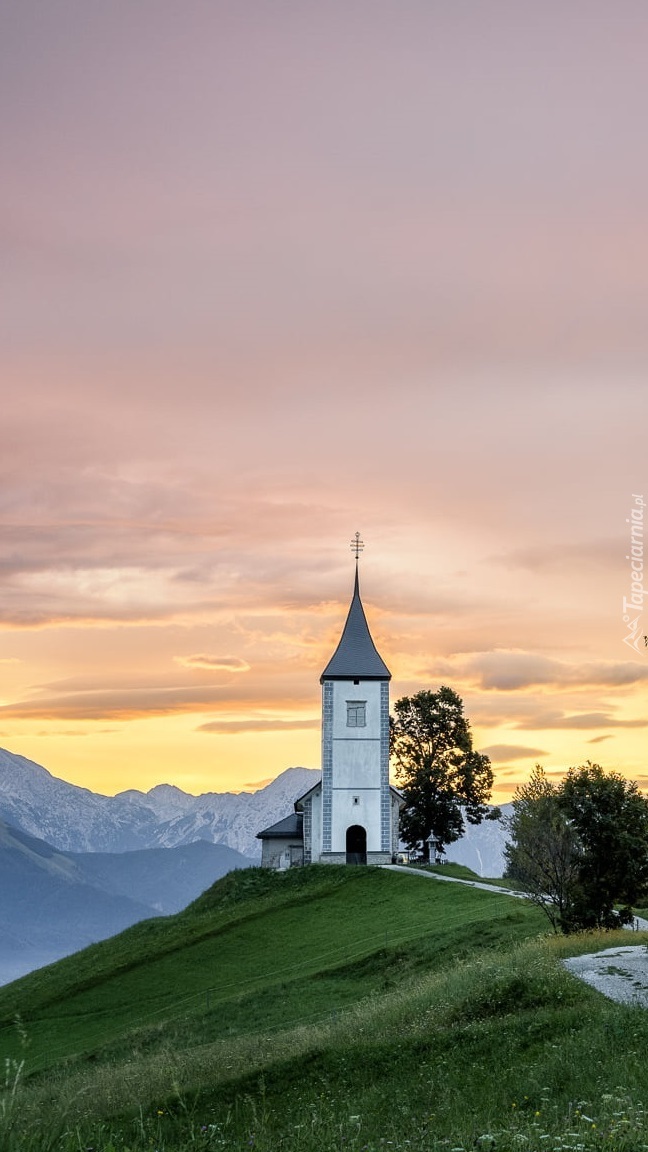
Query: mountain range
x=77, y=867
x=75, y=819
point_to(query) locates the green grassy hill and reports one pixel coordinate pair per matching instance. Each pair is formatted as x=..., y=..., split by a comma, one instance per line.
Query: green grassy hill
x=325, y=1008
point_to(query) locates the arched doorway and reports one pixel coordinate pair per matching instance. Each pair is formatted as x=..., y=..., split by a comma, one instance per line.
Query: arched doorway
x=356, y=845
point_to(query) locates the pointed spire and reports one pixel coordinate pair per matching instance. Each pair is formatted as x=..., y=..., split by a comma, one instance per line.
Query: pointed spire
x=356, y=656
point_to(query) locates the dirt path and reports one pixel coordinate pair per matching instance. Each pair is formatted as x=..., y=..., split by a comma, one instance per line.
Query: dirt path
x=640, y=924
x=456, y=880
x=621, y=974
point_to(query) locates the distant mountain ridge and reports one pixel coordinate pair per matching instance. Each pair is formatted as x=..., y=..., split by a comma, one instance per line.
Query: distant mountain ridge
x=74, y=819
x=77, y=867
x=53, y=903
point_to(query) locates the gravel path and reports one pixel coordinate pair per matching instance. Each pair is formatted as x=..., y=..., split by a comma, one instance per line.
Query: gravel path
x=456, y=880
x=621, y=974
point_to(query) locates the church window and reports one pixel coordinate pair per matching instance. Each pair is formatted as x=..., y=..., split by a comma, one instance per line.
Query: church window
x=356, y=713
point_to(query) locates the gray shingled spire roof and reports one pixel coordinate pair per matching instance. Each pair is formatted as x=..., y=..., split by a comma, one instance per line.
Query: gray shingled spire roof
x=356, y=656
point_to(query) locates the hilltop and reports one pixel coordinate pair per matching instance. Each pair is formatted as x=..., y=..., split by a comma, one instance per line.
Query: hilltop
x=324, y=1008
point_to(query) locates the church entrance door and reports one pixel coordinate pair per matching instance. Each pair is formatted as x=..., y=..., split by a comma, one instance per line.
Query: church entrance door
x=356, y=845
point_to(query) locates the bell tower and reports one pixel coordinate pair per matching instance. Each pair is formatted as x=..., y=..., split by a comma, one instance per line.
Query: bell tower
x=358, y=817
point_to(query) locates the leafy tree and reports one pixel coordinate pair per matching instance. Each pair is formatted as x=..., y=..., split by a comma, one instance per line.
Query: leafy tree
x=610, y=816
x=438, y=770
x=580, y=848
x=542, y=853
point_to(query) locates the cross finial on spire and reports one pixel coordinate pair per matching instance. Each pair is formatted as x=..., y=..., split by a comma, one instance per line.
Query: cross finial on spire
x=357, y=544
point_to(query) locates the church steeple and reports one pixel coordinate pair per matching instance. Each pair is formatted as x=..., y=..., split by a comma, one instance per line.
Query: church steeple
x=356, y=656
x=351, y=815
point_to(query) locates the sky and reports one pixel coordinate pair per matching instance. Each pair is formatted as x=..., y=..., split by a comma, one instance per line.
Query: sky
x=276, y=272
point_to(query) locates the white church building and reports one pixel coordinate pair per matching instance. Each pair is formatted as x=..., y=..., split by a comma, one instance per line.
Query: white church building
x=351, y=815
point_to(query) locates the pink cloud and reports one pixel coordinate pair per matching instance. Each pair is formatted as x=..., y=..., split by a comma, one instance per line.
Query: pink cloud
x=242, y=325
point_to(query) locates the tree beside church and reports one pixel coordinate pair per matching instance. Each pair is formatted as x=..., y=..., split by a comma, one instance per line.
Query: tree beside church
x=442, y=779
x=579, y=848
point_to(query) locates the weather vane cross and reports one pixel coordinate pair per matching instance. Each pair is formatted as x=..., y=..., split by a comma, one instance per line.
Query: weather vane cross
x=357, y=544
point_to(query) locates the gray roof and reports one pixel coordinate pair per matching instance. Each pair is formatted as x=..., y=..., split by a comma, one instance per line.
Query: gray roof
x=284, y=829
x=356, y=656
x=305, y=795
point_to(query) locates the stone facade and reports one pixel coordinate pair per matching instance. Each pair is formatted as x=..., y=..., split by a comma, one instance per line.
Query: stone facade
x=282, y=854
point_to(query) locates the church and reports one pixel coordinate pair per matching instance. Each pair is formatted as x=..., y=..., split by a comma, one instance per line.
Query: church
x=351, y=815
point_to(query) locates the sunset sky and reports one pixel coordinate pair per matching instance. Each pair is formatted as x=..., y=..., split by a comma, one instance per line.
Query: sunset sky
x=274, y=272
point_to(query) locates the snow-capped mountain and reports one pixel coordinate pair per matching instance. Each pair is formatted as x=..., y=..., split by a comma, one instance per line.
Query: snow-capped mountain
x=75, y=819
x=482, y=846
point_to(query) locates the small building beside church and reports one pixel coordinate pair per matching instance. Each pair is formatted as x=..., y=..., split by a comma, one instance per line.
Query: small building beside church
x=283, y=843
x=351, y=815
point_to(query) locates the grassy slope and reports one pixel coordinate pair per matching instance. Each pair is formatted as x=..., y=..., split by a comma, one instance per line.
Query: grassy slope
x=326, y=1008
x=284, y=946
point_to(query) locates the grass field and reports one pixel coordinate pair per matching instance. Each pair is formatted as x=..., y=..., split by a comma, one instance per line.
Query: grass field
x=325, y=1008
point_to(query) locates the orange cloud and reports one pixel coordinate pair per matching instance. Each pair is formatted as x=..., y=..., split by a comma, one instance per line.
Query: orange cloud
x=503, y=670
x=220, y=663
x=582, y=720
x=504, y=753
x=231, y=727
x=119, y=704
